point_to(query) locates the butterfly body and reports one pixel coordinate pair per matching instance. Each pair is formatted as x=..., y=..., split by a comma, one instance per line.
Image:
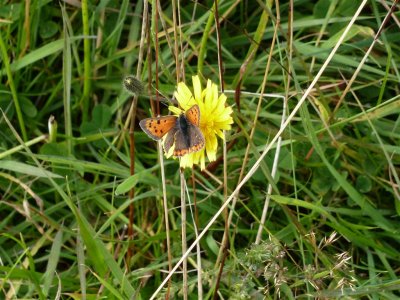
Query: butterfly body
x=182, y=131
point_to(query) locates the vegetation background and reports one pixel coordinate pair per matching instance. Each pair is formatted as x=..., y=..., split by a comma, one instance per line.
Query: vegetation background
x=67, y=199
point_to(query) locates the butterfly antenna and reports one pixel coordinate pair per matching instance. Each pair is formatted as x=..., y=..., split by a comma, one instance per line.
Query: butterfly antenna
x=165, y=100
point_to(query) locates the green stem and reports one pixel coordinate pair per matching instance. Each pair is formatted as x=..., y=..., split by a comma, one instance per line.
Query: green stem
x=67, y=74
x=204, y=39
x=12, y=87
x=19, y=148
x=86, y=62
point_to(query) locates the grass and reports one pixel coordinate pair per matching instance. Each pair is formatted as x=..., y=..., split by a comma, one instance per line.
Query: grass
x=303, y=201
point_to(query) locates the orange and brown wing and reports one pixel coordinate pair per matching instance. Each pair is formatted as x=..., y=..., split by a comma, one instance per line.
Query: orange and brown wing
x=193, y=115
x=157, y=127
x=191, y=141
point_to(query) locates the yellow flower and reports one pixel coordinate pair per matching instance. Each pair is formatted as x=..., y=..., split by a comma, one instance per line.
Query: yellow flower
x=215, y=117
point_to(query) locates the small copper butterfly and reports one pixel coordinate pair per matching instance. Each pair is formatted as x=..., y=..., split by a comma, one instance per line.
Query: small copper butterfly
x=182, y=130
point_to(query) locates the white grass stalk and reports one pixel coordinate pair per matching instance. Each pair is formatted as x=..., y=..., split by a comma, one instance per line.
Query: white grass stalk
x=267, y=148
x=198, y=250
x=273, y=174
x=165, y=208
x=184, y=242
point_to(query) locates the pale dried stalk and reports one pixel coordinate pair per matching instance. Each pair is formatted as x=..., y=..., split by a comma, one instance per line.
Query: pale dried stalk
x=184, y=242
x=165, y=208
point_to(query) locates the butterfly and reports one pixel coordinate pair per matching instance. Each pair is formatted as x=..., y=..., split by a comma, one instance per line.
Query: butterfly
x=182, y=131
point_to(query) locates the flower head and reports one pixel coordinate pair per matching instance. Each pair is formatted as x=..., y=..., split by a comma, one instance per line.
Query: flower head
x=215, y=117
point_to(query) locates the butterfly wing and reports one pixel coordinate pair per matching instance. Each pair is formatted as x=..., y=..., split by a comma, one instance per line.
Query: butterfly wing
x=191, y=140
x=193, y=115
x=157, y=127
x=170, y=139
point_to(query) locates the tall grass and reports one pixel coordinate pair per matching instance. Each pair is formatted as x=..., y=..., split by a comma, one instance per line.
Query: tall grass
x=302, y=202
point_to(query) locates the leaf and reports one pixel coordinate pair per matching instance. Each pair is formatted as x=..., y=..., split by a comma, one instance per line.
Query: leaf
x=35, y=55
x=26, y=169
x=52, y=262
x=57, y=149
x=212, y=244
x=87, y=166
x=363, y=31
x=321, y=182
x=60, y=150
x=388, y=108
x=101, y=115
x=28, y=108
x=344, y=61
x=48, y=29
x=363, y=184
x=88, y=128
x=129, y=183
x=320, y=8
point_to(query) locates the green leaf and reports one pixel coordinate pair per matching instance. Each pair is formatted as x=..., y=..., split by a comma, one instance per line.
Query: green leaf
x=26, y=169
x=363, y=31
x=35, y=55
x=287, y=160
x=101, y=115
x=48, y=29
x=363, y=184
x=129, y=183
x=52, y=261
x=321, y=182
x=320, y=8
x=60, y=150
x=212, y=244
x=27, y=107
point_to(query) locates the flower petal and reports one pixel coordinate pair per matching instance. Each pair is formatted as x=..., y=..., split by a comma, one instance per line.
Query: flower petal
x=177, y=111
x=184, y=96
x=196, y=88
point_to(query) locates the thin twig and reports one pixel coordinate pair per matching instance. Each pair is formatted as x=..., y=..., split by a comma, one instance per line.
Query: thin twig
x=131, y=118
x=182, y=54
x=396, y=20
x=176, y=49
x=156, y=48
